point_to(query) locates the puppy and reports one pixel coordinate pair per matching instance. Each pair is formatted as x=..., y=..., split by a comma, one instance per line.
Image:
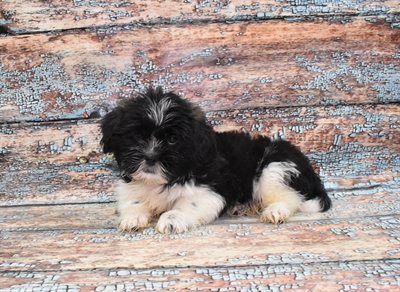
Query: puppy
x=174, y=165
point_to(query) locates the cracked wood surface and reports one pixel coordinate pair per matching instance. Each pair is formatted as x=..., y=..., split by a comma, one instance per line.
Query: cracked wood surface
x=346, y=205
x=379, y=275
x=323, y=74
x=59, y=162
x=76, y=74
x=71, y=247
x=34, y=16
x=223, y=245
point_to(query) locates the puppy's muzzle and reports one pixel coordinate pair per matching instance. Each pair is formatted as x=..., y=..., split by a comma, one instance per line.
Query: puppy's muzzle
x=152, y=159
x=150, y=166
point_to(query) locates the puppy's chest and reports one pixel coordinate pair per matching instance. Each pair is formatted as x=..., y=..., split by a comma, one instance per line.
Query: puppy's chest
x=158, y=197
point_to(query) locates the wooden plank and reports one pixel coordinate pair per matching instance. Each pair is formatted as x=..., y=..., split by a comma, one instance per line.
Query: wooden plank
x=57, y=217
x=222, y=245
x=347, y=204
x=75, y=74
x=379, y=275
x=352, y=147
x=53, y=162
x=22, y=17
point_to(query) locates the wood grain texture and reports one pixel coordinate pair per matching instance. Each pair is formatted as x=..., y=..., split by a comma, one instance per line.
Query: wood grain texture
x=34, y=16
x=222, y=245
x=323, y=74
x=379, y=275
x=351, y=147
x=58, y=217
x=348, y=204
x=73, y=75
x=52, y=163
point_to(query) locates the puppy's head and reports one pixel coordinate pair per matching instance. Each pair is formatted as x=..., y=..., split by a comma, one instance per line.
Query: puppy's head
x=158, y=137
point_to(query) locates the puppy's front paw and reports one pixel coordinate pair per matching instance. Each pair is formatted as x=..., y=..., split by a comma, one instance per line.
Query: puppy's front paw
x=133, y=222
x=276, y=213
x=174, y=221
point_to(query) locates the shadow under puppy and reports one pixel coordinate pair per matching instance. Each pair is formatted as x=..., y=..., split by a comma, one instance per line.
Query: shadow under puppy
x=173, y=164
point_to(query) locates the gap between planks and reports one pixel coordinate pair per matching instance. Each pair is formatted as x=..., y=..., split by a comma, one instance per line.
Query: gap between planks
x=21, y=17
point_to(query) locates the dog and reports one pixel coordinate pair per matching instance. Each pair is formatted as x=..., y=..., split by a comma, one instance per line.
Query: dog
x=174, y=165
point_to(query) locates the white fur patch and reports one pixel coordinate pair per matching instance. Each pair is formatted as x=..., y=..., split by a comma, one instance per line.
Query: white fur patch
x=196, y=205
x=157, y=111
x=154, y=177
x=278, y=199
x=151, y=146
x=187, y=205
x=310, y=206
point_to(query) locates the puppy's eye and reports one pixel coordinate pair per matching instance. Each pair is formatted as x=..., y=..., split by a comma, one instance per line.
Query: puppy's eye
x=172, y=140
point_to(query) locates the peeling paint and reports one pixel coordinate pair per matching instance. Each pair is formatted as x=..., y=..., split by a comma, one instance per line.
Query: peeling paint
x=44, y=182
x=357, y=155
x=79, y=14
x=336, y=161
x=155, y=280
x=50, y=86
x=383, y=78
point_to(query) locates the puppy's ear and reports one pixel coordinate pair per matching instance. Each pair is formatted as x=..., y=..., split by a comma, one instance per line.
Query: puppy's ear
x=109, y=128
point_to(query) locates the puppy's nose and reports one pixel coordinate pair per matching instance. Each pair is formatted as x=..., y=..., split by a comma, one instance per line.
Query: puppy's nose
x=151, y=159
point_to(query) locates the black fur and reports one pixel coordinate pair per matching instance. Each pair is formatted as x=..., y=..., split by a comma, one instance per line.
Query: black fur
x=191, y=151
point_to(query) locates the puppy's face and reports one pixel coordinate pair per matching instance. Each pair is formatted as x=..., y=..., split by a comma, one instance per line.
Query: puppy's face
x=158, y=138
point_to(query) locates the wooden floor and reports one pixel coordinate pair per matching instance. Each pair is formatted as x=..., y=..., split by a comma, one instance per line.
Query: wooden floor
x=322, y=74
x=354, y=247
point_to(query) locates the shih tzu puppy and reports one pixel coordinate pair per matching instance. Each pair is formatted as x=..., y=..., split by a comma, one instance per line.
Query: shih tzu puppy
x=174, y=165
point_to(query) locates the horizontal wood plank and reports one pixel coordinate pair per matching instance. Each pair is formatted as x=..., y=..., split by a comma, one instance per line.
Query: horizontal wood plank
x=351, y=147
x=58, y=217
x=223, y=245
x=34, y=16
x=347, y=204
x=78, y=74
x=379, y=275
x=54, y=162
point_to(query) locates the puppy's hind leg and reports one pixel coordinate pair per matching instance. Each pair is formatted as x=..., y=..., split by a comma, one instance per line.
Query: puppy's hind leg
x=278, y=200
x=195, y=205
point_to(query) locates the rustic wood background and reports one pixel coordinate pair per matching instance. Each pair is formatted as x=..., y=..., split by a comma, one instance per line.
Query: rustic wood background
x=324, y=74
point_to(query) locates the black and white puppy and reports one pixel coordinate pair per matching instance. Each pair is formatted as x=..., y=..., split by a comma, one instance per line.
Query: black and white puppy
x=174, y=165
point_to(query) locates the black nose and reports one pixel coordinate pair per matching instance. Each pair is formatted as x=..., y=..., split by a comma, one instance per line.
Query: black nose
x=151, y=159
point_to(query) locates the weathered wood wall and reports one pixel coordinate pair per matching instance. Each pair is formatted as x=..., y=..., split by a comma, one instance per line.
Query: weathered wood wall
x=324, y=74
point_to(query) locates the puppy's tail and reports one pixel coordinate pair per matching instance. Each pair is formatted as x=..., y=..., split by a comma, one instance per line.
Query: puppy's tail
x=325, y=202
x=314, y=206
x=321, y=203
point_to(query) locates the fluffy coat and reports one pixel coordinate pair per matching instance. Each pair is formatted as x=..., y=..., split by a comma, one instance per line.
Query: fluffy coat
x=173, y=164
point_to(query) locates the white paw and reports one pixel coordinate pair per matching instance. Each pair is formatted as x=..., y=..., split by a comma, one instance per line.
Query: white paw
x=174, y=221
x=133, y=222
x=276, y=213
